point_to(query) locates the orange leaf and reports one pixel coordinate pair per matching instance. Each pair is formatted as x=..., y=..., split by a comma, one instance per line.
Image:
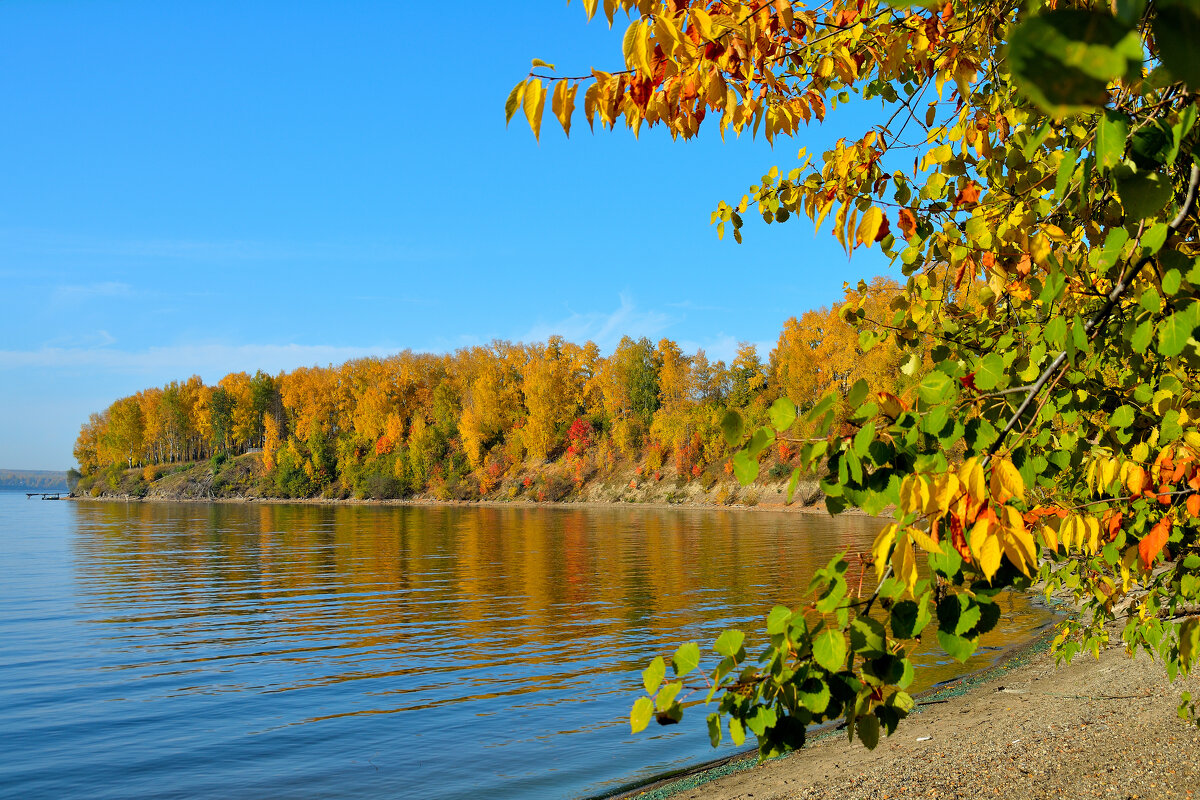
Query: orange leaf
x=1154, y=541
x=907, y=222
x=968, y=197
x=1193, y=505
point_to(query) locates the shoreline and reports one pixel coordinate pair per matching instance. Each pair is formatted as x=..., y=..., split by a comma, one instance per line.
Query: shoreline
x=1020, y=728
x=794, y=508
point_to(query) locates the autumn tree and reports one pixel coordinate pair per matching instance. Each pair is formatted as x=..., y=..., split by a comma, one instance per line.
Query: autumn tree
x=1033, y=175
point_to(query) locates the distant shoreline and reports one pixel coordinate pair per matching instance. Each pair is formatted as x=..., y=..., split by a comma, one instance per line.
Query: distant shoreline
x=244, y=480
x=794, y=508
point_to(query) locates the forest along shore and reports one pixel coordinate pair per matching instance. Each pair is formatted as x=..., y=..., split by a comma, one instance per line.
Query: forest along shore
x=245, y=479
x=1102, y=727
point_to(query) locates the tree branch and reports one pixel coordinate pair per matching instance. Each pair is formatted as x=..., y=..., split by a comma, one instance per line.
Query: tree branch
x=1097, y=321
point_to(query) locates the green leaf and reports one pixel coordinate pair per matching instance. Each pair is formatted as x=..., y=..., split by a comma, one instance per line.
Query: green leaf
x=814, y=695
x=745, y=467
x=652, y=676
x=1063, y=60
x=863, y=439
x=1108, y=255
x=990, y=372
x=935, y=387
x=792, y=484
x=868, y=730
x=829, y=650
x=729, y=643
x=1066, y=169
x=686, y=658
x=714, y=728
x=1110, y=140
x=1176, y=32
x=732, y=427
x=1171, y=282
x=1153, y=239
x=957, y=647
x=1141, y=336
x=1122, y=418
x=667, y=695
x=858, y=393
x=778, y=620
x=782, y=414
x=639, y=717
x=1174, y=332
x=736, y=731
x=868, y=637
x=763, y=438
x=1144, y=194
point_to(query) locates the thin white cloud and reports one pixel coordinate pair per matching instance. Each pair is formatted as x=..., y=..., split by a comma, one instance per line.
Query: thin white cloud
x=603, y=328
x=208, y=360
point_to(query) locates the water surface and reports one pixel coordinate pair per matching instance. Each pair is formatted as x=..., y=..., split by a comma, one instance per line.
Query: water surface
x=301, y=651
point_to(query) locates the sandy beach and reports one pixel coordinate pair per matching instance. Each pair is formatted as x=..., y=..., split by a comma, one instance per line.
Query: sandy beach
x=1024, y=729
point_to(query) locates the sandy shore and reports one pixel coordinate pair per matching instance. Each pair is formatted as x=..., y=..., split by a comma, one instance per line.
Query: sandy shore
x=1094, y=728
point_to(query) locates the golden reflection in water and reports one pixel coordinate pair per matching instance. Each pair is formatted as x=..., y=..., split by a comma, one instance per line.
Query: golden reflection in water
x=395, y=591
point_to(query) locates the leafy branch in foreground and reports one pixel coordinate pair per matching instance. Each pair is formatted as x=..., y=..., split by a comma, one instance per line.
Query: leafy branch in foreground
x=1034, y=176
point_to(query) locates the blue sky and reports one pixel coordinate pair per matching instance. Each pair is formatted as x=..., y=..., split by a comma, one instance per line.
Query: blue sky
x=199, y=188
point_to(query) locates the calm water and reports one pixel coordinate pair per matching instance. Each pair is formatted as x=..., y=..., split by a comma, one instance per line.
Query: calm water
x=228, y=651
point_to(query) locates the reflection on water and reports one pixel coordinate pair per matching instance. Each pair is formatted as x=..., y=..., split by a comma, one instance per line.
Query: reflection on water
x=314, y=651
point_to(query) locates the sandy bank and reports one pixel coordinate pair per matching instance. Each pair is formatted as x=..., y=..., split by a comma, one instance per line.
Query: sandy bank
x=1105, y=728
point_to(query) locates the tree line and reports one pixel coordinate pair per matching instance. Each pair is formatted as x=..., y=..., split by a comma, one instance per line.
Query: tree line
x=417, y=422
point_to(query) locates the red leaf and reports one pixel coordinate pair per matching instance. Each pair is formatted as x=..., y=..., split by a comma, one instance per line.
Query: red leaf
x=907, y=222
x=1154, y=541
x=885, y=228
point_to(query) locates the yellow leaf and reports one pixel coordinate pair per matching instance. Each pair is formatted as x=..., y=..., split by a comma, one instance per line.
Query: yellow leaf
x=989, y=556
x=537, y=62
x=1017, y=541
x=914, y=494
x=944, y=488
x=1006, y=482
x=984, y=546
x=970, y=474
x=1049, y=538
x=629, y=43
x=839, y=227
x=704, y=21
x=1091, y=526
x=904, y=562
x=535, y=101
x=923, y=539
x=513, y=102
x=1136, y=480
x=563, y=104
x=589, y=7
x=868, y=226
x=644, y=49
x=883, y=543
x=1068, y=532
x=1106, y=472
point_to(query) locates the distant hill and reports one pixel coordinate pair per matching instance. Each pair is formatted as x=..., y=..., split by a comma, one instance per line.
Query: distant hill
x=33, y=480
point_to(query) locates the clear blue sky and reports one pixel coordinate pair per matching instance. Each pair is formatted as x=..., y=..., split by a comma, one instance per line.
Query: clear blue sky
x=199, y=188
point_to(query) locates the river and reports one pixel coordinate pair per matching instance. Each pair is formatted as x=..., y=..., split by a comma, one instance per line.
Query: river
x=157, y=650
